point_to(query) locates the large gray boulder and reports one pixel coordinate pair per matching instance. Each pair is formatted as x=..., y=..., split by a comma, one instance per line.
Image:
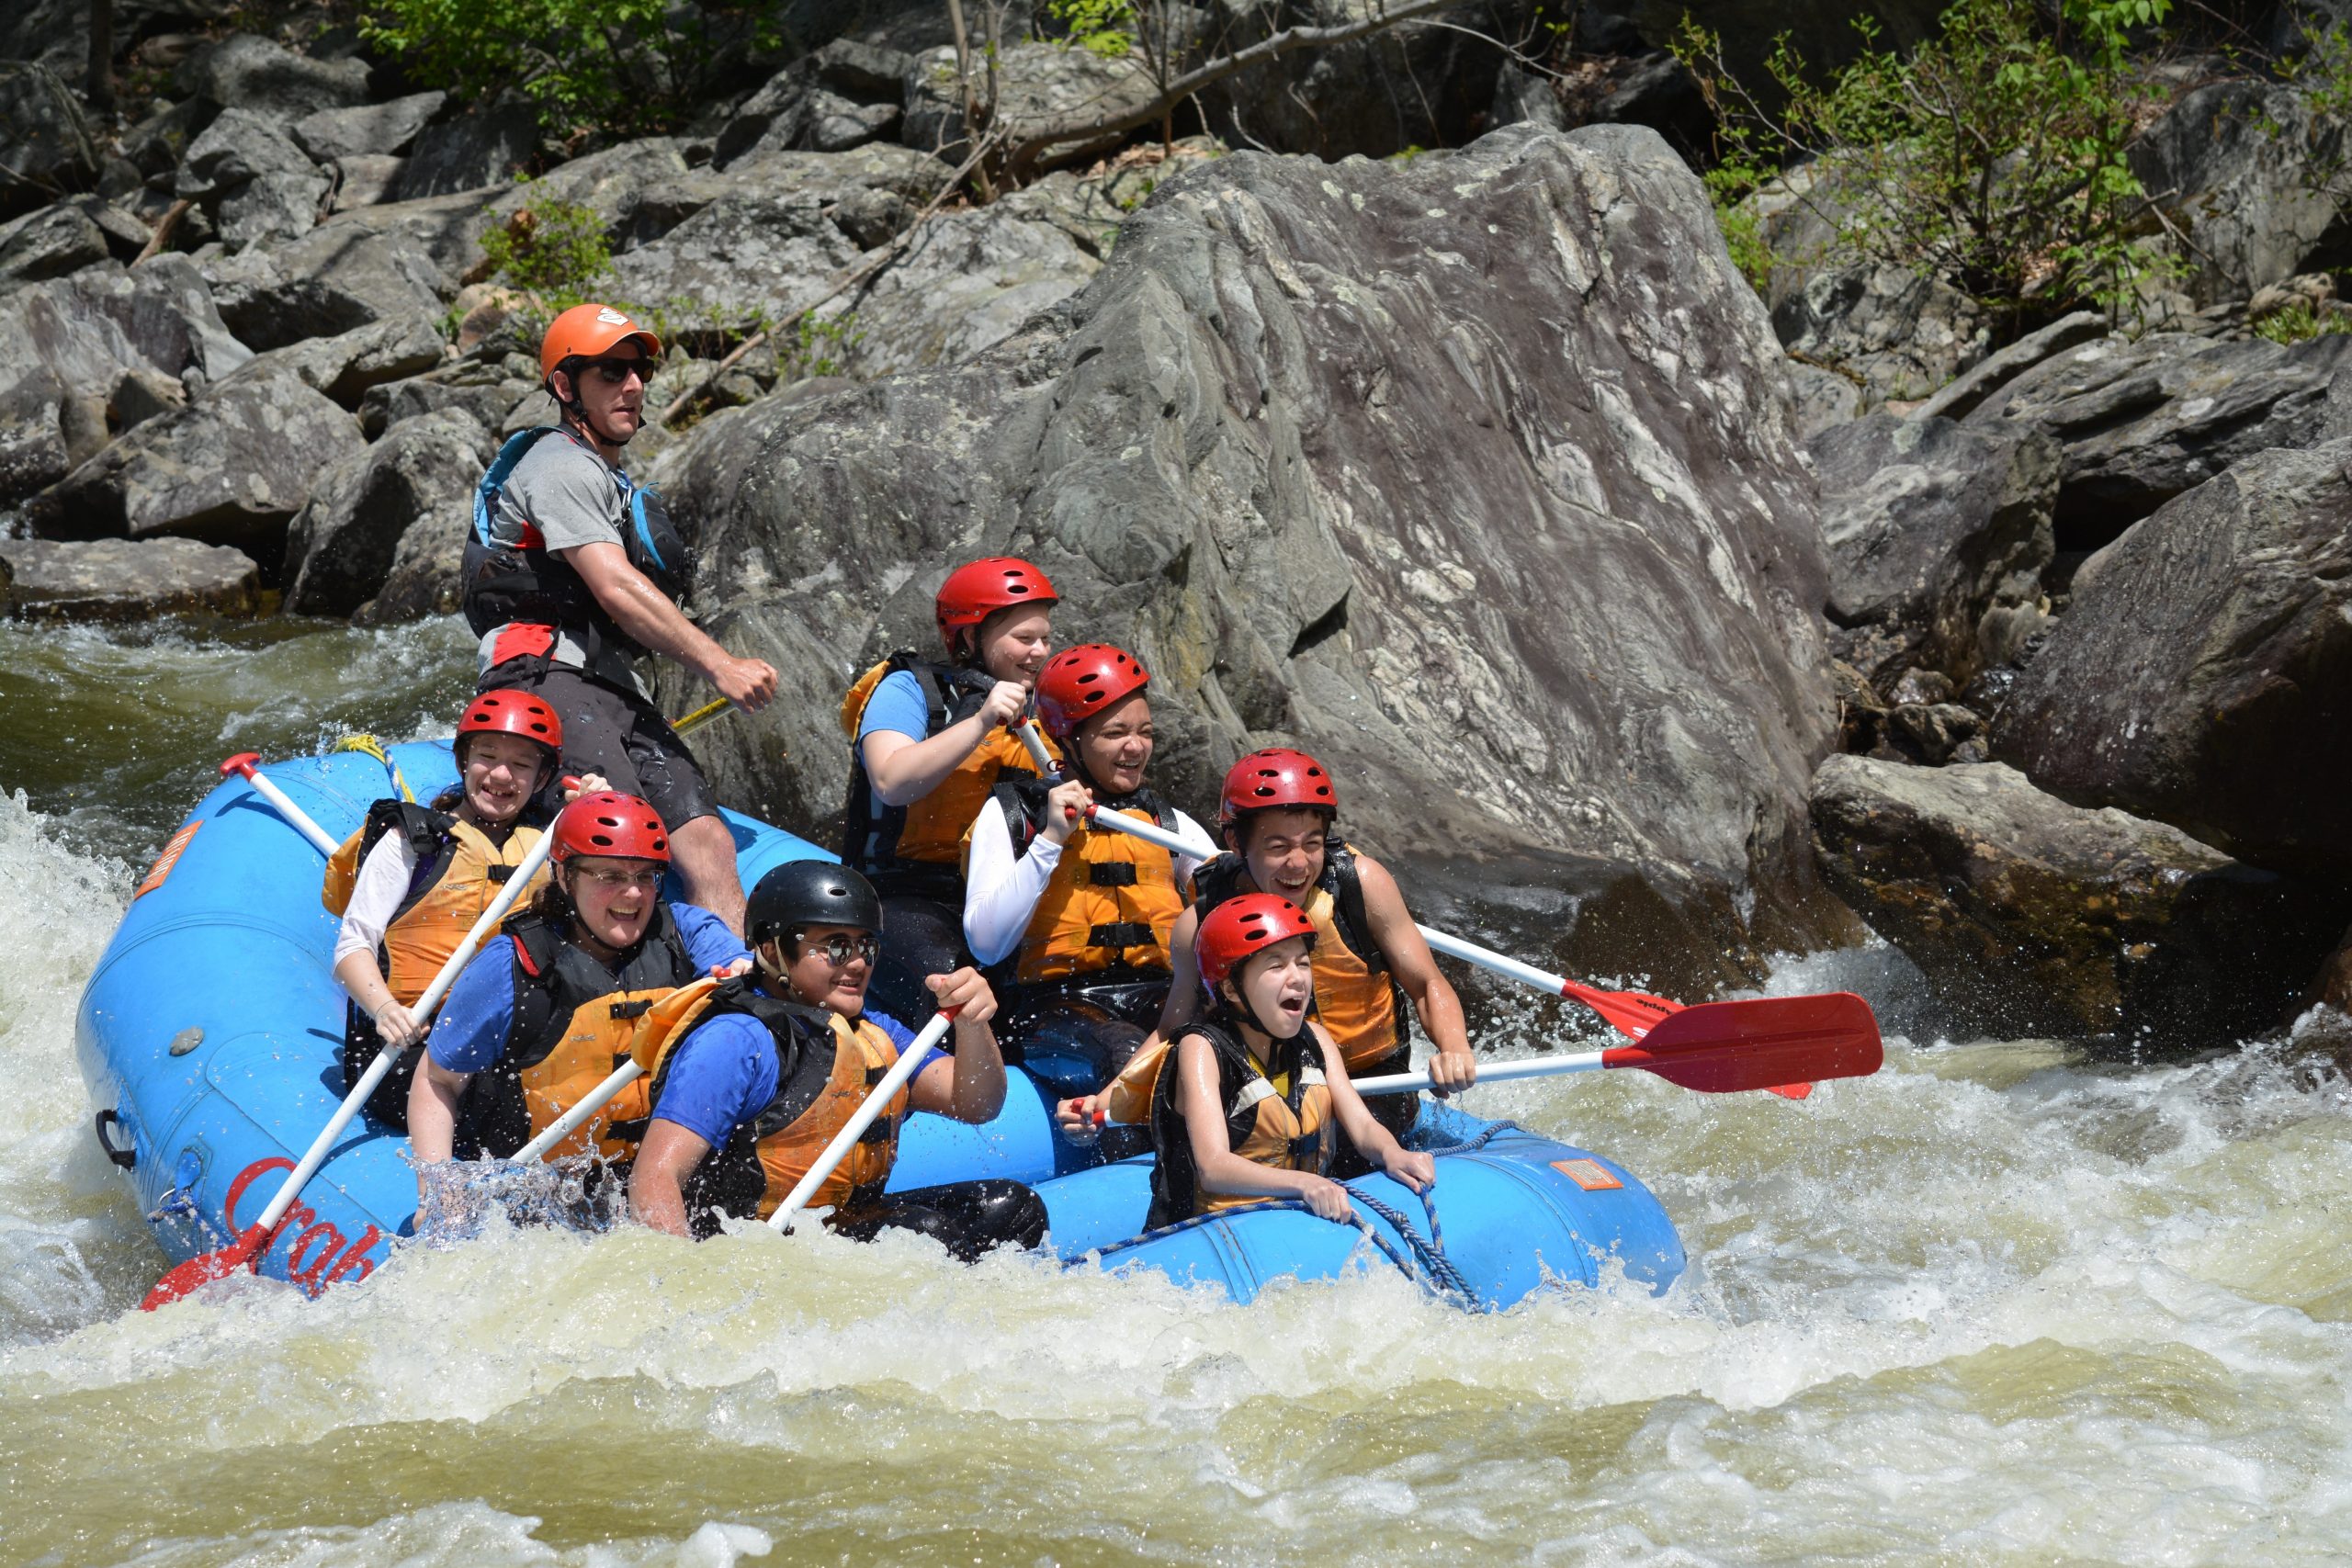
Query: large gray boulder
x=45, y=141
x=485, y=148
x=340, y=547
x=365, y=129
x=2142, y=422
x=125, y=580
x=425, y=578
x=1046, y=93
x=399, y=262
x=965, y=283
x=2237, y=169
x=857, y=84
x=346, y=365
x=266, y=79
x=76, y=339
x=255, y=183
x=1474, y=475
x=1937, y=534
x=2029, y=916
x=229, y=469
x=2203, y=673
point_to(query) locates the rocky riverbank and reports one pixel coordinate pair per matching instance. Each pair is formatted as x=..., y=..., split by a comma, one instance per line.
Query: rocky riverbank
x=1673, y=621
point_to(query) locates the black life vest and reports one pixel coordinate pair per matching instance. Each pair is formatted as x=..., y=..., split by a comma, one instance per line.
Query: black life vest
x=1175, y=1179
x=572, y=1023
x=920, y=844
x=513, y=579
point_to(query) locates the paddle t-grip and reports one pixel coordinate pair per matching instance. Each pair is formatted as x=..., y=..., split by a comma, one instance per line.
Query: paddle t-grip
x=243, y=763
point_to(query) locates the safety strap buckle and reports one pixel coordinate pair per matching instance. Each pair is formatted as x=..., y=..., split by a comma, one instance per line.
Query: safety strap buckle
x=1121, y=934
x=1111, y=874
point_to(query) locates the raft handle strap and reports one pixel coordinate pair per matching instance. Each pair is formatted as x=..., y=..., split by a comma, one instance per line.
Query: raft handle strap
x=125, y=1157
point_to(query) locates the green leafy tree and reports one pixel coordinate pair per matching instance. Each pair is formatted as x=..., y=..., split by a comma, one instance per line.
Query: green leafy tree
x=1992, y=155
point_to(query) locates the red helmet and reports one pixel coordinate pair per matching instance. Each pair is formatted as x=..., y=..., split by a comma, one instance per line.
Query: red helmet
x=1277, y=777
x=972, y=594
x=611, y=823
x=1078, y=683
x=1247, y=923
x=511, y=713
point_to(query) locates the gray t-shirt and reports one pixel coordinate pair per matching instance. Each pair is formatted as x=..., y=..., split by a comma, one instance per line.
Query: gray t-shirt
x=567, y=492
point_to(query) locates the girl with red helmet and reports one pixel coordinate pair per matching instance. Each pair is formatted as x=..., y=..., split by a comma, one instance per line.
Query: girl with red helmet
x=1373, y=971
x=1079, y=915
x=1261, y=1092
x=538, y=1020
x=411, y=882
x=928, y=742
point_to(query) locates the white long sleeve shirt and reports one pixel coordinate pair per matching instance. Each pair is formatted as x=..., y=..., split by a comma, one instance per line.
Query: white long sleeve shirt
x=376, y=895
x=1000, y=893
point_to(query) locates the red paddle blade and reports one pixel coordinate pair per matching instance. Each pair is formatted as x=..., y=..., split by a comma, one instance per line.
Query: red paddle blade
x=1791, y=1091
x=1771, y=1042
x=1630, y=1013
x=199, y=1271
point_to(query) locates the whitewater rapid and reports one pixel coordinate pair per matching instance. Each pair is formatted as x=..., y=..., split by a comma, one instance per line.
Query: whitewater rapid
x=1996, y=1304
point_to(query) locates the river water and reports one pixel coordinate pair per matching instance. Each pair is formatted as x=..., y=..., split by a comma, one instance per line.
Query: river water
x=1996, y=1304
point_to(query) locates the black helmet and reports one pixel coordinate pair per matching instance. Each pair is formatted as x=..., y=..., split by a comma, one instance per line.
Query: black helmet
x=810, y=893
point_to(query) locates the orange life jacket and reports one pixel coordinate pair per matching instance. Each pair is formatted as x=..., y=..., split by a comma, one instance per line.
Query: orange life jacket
x=1112, y=899
x=574, y=1022
x=926, y=835
x=1357, y=1000
x=459, y=873
x=826, y=1066
x=1282, y=1121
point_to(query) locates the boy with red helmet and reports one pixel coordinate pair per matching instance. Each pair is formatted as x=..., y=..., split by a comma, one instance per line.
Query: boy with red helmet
x=1076, y=916
x=1260, y=1091
x=1373, y=971
x=411, y=882
x=573, y=572
x=928, y=742
x=538, y=1020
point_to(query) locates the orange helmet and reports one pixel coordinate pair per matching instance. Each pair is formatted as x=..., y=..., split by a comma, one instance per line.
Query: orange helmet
x=587, y=331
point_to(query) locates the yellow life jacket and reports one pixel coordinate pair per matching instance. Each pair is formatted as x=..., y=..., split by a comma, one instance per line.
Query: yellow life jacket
x=1112, y=899
x=927, y=835
x=826, y=1066
x=574, y=1020
x=1357, y=1000
x=1282, y=1121
x=459, y=873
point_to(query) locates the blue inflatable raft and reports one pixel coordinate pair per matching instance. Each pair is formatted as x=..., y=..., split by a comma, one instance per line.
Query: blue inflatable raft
x=209, y=1037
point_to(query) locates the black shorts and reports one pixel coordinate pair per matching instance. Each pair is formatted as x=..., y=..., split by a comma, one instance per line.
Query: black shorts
x=617, y=734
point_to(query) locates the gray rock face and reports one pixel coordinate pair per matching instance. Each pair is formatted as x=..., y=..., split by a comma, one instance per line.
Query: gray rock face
x=1937, y=534
x=262, y=78
x=1045, y=91
x=844, y=94
x=257, y=184
x=51, y=243
x=157, y=144
x=382, y=263
x=2032, y=917
x=2231, y=164
x=340, y=547
x=2203, y=673
x=425, y=579
x=2143, y=422
x=362, y=180
x=1473, y=474
x=484, y=391
x=125, y=580
x=230, y=470
x=966, y=283
x=345, y=365
x=486, y=148
x=77, y=336
x=366, y=129
x=1963, y=397
x=640, y=190
x=45, y=143
x=1904, y=335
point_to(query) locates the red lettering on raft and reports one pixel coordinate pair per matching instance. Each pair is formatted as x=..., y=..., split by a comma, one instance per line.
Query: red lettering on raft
x=333, y=1259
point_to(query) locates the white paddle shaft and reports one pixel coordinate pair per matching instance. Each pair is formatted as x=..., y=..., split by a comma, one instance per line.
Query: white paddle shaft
x=854, y=1128
x=1487, y=958
x=1489, y=1072
x=298, y=817
x=423, y=1007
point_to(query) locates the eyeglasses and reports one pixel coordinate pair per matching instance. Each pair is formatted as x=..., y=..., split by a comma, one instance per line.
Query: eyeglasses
x=617, y=372
x=839, y=949
x=617, y=881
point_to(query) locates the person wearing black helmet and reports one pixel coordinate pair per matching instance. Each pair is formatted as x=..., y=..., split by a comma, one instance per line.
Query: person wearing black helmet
x=753, y=1077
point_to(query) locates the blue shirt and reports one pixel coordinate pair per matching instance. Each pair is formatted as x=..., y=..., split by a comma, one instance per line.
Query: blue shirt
x=896, y=705
x=723, y=1073
x=470, y=1035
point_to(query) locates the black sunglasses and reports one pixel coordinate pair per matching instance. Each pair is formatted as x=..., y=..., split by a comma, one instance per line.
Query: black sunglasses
x=615, y=372
x=839, y=949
